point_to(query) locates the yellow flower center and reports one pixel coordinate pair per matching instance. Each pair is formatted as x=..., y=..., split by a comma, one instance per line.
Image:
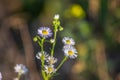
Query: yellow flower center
x=70, y=53
x=68, y=42
x=44, y=32
x=50, y=69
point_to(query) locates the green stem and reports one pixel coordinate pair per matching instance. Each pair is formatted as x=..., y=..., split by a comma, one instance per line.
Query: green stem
x=19, y=75
x=53, y=46
x=42, y=51
x=42, y=60
x=46, y=78
x=65, y=58
x=42, y=43
x=44, y=75
x=39, y=43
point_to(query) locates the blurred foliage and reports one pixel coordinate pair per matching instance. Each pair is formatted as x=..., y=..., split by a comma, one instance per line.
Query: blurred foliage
x=33, y=7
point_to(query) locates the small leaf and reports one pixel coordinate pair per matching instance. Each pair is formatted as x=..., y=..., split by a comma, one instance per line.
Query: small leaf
x=55, y=74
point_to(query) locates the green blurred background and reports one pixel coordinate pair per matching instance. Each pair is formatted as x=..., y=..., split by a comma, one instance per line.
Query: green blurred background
x=94, y=24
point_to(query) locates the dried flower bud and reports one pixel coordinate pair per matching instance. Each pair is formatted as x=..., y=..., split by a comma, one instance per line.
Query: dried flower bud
x=52, y=40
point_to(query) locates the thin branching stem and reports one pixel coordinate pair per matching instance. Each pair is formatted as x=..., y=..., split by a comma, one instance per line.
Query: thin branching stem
x=53, y=46
x=62, y=62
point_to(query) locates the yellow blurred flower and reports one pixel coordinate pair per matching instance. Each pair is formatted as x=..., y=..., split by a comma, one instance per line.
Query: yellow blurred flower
x=77, y=11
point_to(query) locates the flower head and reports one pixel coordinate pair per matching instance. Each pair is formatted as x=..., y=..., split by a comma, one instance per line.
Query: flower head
x=56, y=17
x=0, y=76
x=39, y=55
x=45, y=32
x=68, y=41
x=50, y=69
x=51, y=60
x=70, y=51
x=20, y=68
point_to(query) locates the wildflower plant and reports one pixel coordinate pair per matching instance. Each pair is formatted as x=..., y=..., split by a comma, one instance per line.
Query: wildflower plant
x=48, y=69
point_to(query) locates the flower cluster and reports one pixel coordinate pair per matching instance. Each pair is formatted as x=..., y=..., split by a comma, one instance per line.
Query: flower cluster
x=69, y=48
x=50, y=60
x=47, y=59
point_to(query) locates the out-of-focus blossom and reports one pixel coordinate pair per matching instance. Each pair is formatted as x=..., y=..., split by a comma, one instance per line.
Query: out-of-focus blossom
x=77, y=11
x=20, y=69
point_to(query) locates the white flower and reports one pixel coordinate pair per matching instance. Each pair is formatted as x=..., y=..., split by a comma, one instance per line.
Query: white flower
x=50, y=69
x=39, y=55
x=68, y=41
x=20, y=68
x=45, y=32
x=0, y=76
x=51, y=60
x=56, y=17
x=70, y=51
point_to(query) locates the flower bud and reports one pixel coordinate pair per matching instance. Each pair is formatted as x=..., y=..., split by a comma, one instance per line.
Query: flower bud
x=60, y=28
x=52, y=41
x=56, y=17
x=35, y=39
